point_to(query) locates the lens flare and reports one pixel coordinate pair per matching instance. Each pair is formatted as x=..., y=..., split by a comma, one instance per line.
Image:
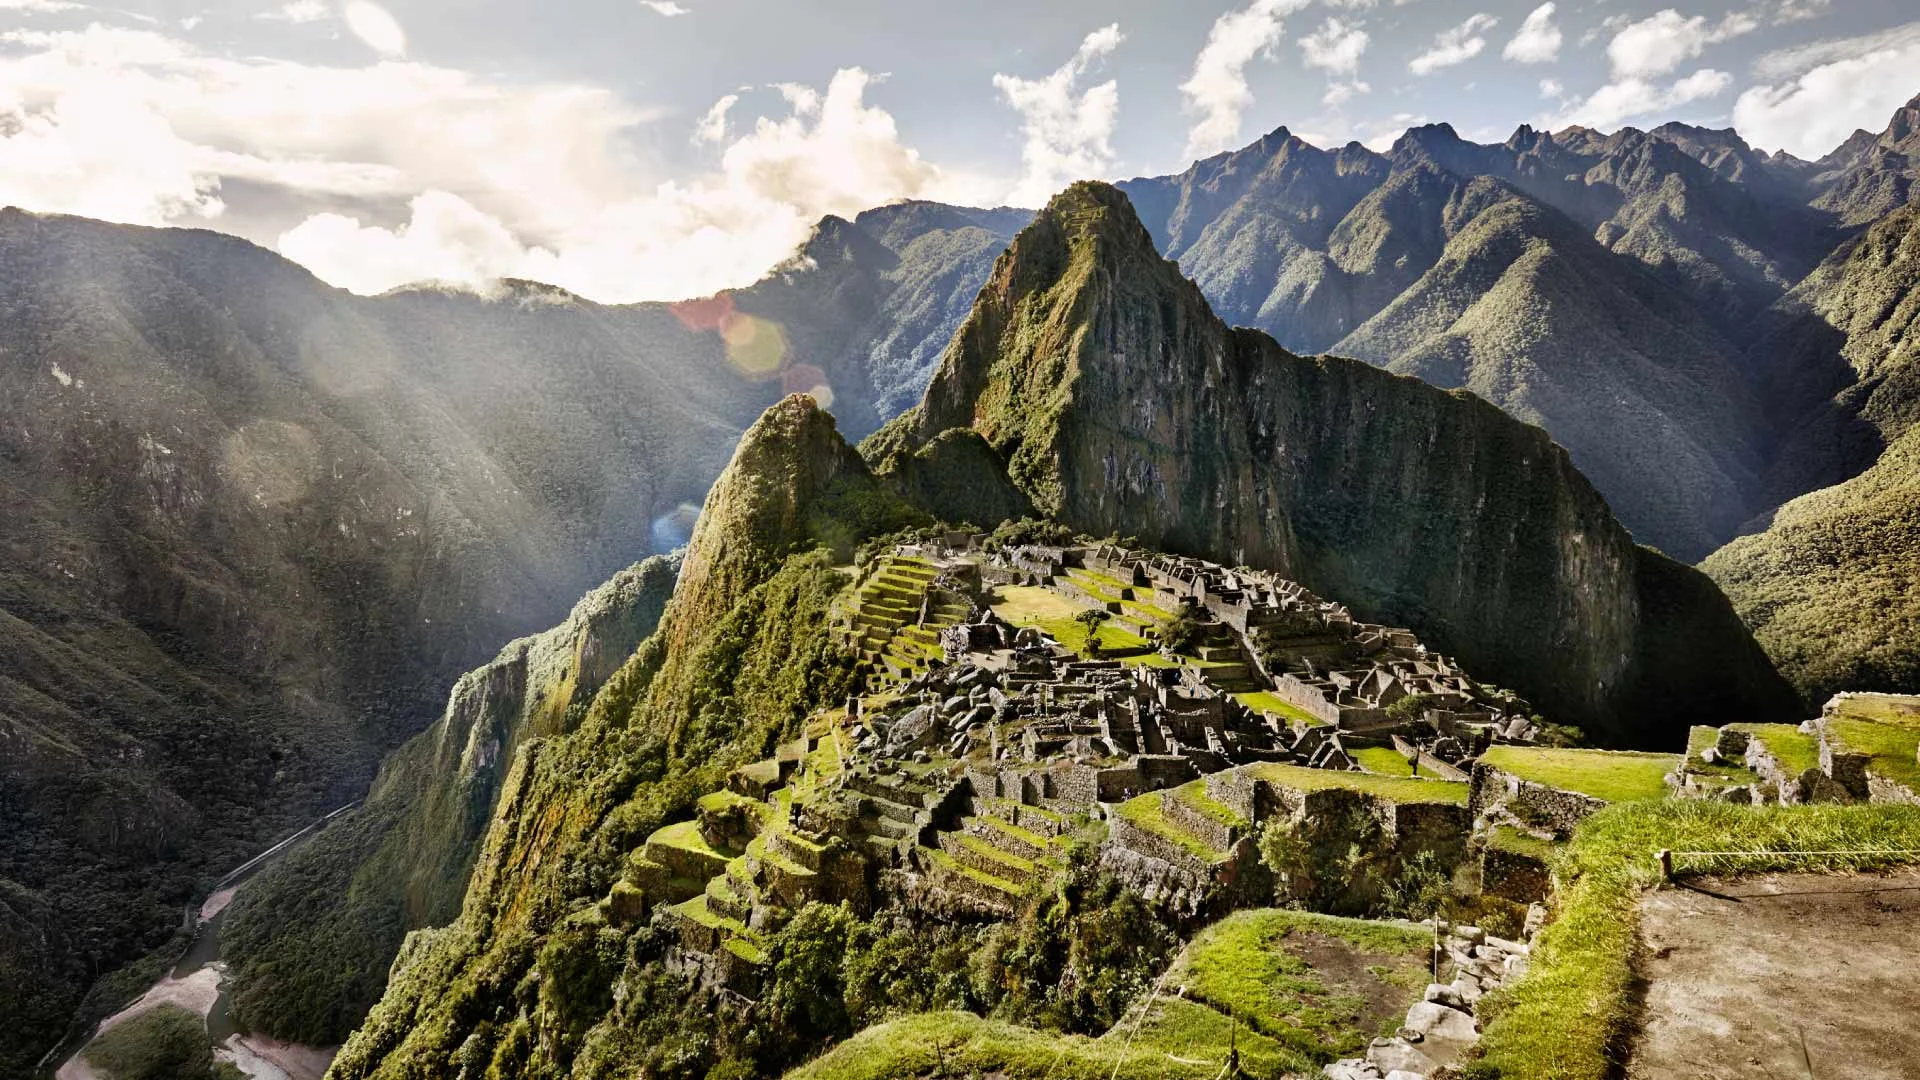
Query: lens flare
x=756, y=346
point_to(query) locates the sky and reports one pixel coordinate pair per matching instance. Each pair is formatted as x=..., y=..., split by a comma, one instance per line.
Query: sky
x=661, y=149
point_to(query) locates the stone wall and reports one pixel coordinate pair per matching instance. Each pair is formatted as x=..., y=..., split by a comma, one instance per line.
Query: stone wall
x=1495, y=792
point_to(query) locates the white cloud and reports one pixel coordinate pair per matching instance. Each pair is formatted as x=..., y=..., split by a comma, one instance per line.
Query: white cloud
x=712, y=127
x=1335, y=48
x=1664, y=40
x=299, y=11
x=1828, y=90
x=1625, y=99
x=1800, y=59
x=39, y=5
x=1340, y=92
x=1538, y=41
x=665, y=7
x=374, y=176
x=1068, y=131
x=1217, y=91
x=1456, y=46
x=375, y=26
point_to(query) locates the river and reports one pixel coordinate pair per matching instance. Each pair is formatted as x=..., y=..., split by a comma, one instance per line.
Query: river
x=197, y=982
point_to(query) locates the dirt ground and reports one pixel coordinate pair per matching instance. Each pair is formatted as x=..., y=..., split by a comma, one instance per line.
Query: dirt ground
x=1782, y=977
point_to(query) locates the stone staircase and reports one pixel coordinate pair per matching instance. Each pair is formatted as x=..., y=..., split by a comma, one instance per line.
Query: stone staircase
x=888, y=630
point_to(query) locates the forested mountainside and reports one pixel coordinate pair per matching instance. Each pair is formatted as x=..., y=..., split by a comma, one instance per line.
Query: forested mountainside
x=309, y=941
x=1603, y=286
x=1122, y=405
x=254, y=526
x=1831, y=581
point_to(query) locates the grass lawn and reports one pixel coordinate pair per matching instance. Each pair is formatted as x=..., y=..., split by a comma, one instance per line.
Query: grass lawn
x=1795, y=750
x=1608, y=775
x=1175, y=1040
x=1146, y=812
x=1900, y=710
x=1395, y=788
x=1243, y=966
x=1194, y=794
x=1508, y=838
x=1562, y=1019
x=1893, y=748
x=1267, y=701
x=1384, y=760
x=686, y=836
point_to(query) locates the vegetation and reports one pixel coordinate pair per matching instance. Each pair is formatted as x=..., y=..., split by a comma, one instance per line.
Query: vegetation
x=1397, y=789
x=1567, y=1018
x=1607, y=775
x=164, y=1043
x=1382, y=760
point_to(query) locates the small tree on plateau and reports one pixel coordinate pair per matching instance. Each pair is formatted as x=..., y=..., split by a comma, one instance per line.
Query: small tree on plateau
x=1090, y=621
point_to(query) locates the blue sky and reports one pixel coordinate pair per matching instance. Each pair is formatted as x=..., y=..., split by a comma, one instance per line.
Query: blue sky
x=631, y=150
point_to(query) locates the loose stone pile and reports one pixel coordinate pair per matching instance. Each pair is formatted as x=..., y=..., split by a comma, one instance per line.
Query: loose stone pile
x=1441, y=1028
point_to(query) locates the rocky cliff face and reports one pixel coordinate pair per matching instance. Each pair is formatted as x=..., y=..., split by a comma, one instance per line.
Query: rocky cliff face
x=1121, y=404
x=310, y=939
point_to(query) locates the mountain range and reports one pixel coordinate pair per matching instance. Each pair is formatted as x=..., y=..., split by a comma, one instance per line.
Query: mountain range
x=256, y=526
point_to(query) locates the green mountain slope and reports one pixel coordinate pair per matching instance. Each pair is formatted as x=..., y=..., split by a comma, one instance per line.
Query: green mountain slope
x=740, y=658
x=1829, y=581
x=309, y=941
x=1121, y=404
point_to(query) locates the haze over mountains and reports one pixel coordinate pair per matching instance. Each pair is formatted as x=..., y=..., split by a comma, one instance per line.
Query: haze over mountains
x=255, y=526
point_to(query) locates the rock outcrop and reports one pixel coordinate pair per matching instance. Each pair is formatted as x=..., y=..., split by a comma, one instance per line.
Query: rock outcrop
x=1122, y=405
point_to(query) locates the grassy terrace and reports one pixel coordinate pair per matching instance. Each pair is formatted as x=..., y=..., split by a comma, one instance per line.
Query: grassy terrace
x=1795, y=750
x=1897, y=710
x=685, y=835
x=1241, y=966
x=1008, y=828
x=1177, y=1040
x=1052, y=613
x=1384, y=760
x=953, y=865
x=1508, y=838
x=1564, y=1019
x=1267, y=701
x=1194, y=794
x=1395, y=788
x=1145, y=811
x=1893, y=748
x=1607, y=775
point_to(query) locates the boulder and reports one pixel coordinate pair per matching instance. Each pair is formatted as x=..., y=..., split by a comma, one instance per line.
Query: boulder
x=1399, y=1055
x=1436, y=1021
x=1443, y=994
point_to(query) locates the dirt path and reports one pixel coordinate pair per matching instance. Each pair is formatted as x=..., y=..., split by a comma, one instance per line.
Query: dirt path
x=1757, y=978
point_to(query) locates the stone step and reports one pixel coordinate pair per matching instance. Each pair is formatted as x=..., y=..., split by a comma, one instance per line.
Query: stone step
x=982, y=855
x=1008, y=837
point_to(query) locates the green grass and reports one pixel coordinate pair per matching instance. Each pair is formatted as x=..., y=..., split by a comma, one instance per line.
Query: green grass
x=1563, y=1020
x=1267, y=701
x=993, y=881
x=1607, y=775
x=1015, y=867
x=1384, y=760
x=1194, y=794
x=1899, y=710
x=1795, y=750
x=1015, y=831
x=1177, y=1040
x=1242, y=967
x=1146, y=812
x=715, y=801
x=685, y=835
x=1892, y=748
x=167, y=1042
x=1508, y=838
x=1053, y=614
x=1395, y=788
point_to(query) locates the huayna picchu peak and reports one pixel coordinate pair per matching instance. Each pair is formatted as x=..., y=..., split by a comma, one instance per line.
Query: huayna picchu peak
x=1394, y=607
x=1121, y=405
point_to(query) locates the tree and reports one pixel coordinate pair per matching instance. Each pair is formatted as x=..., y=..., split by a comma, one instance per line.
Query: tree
x=1090, y=621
